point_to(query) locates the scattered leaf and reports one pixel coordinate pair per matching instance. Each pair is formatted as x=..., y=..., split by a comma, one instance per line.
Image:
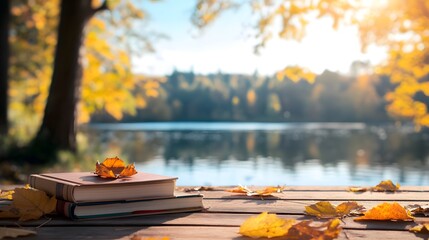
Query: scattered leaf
x=29, y=204
x=202, y=188
x=114, y=168
x=421, y=228
x=306, y=230
x=325, y=209
x=357, y=189
x=417, y=209
x=265, y=225
x=6, y=194
x=387, y=211
x=268, y=191
x=386, y=186
x=14, y=232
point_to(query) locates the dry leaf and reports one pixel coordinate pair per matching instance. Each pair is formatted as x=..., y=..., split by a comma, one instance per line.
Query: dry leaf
x=265, y=225
x=14, y=232
x=306, y=230
x=325, y=209
x=114, y=168
x=421, y=228
x=29, y=204
x=201, y=188
x=386, y=186
x=417, y=209
x=7, y=195
x=268, y=191
x=357, y=189
x=387, y=211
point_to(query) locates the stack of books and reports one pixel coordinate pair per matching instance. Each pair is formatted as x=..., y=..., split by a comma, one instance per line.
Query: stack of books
x=84, y=195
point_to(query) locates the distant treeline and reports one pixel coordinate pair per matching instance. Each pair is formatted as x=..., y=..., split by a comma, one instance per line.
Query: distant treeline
x=185, y=96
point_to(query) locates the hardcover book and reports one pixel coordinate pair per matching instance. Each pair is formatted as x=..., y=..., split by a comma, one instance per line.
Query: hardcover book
x=95, y=210
x=88, y=187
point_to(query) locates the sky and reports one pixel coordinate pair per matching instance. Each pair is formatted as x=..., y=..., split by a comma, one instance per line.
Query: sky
x=227, y=45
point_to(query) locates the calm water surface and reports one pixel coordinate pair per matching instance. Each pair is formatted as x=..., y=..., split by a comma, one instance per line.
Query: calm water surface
x=268, y=153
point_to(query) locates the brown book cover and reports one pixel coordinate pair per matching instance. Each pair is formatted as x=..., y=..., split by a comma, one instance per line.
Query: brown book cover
x=88, y=187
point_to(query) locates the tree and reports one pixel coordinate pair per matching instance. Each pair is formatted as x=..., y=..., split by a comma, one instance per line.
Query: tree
x=399, y=25
x=4, y=62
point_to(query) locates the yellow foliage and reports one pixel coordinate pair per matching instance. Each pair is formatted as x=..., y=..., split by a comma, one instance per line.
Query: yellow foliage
x=325, y=209
x=266, y=225
x=251, y=97
x=421, y=228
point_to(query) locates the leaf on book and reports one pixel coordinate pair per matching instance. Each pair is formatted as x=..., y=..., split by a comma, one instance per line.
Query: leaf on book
x=29, y=204
x=14, y=232
x=268, y=191
x=325, y=209
x=308, y=230
x=417, y=209
x=387, y=211
x=265, y=225
x=421, y=228
x=114, y=168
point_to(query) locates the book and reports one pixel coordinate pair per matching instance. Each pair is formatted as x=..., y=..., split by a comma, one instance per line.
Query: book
x=88, y=187
x=114, y=209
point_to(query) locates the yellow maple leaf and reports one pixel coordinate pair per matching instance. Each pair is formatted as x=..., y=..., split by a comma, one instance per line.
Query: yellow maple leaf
x=307, y=230
x=266, y=225
x=14, y=232
x=387, y=211
x=114, y=168
x=6, y=194
x=29, y=204
x=386, y=186
x=325, y=209
x=421, y=228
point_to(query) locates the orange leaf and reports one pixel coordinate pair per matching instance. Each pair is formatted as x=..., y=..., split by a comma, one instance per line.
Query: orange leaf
x=305, y=230
x=114, y=168
x=386, y=186
x=387, y=211
x=268, y=191
x=239, y=189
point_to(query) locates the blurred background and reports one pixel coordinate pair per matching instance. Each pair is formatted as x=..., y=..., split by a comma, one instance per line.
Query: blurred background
x=218, y=92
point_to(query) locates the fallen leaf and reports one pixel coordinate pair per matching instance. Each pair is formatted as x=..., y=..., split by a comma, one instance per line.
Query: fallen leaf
x=357, y=189
x=421, y=228
x=268, y=191
x=386, y=186
x=306, y=230
x=387, y=211
x=14, y=232
x=265, y=225
x=417, y=209
x=325, y=209
x=29, y=204
x=6, y=194
x=201, y=188
x=114, y=168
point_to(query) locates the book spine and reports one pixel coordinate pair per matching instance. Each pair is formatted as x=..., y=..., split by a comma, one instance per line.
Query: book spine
x=59, y=190
x=66, y=209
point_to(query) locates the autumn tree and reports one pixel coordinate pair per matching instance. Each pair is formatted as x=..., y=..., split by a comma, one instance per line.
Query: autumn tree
x=398, y=25
x=4, y=60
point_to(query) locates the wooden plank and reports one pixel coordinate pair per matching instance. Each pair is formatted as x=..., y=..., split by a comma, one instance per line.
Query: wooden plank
x=310, y=188
x=326, y=195
x=191, y=232
x=208, y=219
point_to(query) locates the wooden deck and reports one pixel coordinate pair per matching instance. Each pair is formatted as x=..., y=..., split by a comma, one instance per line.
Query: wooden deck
x=226, y=211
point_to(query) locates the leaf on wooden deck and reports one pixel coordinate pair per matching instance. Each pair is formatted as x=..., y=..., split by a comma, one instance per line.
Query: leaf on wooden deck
x=325, y=209
x=357, y=189
x=386, y=186
x=307, y=230
x=6, y=194
x=14, y=232
x=114, y=168
x=201, y=188
x=421, y=228
x=265, y=225
x=417, y=209
x=387, y=211
x=29, y=204
x=268, y=191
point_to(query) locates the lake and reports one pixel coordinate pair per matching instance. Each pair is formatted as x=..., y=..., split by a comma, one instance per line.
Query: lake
x=267, y=153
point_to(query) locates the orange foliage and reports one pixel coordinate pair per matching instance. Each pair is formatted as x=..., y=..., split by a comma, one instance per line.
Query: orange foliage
x=114, y=168
x=387, y=211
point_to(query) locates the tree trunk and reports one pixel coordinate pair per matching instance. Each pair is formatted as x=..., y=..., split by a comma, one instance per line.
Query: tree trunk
x=4, y=62
x=58, y=128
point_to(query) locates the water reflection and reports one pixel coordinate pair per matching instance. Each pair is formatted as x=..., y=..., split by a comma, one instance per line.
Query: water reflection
x=292, y=156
